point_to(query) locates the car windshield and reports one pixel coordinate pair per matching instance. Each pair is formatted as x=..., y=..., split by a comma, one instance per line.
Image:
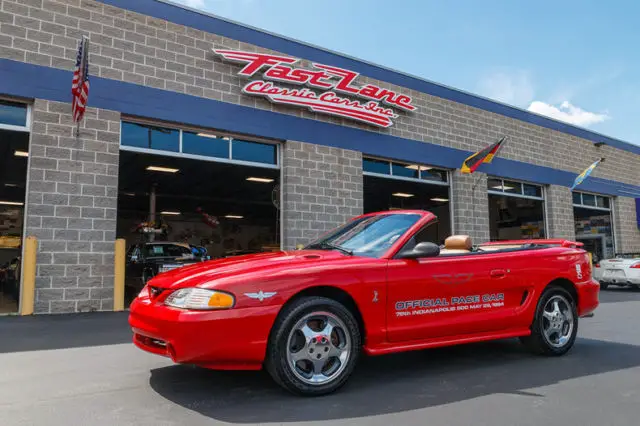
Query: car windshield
x=368, y=236
x=166, y=250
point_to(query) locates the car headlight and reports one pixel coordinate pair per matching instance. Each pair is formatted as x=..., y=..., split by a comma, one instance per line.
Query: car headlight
x=200, y=298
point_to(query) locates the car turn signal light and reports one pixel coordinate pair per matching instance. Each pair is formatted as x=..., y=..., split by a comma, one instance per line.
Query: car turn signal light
x=635, y=266
x=221, y=300
x=200, y=299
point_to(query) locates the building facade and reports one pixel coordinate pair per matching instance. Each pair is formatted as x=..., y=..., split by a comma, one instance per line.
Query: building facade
x=338, y=137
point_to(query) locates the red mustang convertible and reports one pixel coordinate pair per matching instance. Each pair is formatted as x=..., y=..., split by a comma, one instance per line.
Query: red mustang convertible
x=375, y=285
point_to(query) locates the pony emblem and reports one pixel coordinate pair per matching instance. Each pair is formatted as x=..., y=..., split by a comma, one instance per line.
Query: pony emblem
x=261, y=295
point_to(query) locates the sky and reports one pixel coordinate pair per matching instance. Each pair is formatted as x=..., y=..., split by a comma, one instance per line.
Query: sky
x=575, y=61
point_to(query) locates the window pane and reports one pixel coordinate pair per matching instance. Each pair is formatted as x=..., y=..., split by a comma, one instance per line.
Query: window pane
x=375, y=166
x=202, y=145
x=254, y=151
x=13, y=114
x=602, y=202
x=434, y=175
x=532, y=190
x=512, y=187
x=576, y=198
x=151, y=137
x=494, y=185
x=588, y=199
x=398, y=169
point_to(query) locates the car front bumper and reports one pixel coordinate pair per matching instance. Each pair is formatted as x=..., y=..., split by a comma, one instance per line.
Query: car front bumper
x=234, y=339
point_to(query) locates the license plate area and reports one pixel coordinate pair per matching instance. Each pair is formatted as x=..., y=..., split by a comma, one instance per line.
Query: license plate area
x=614, y=273
x=168, y=267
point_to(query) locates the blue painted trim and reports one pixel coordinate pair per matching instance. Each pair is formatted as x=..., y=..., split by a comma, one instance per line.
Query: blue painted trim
x=179, y=15
x=34, y=81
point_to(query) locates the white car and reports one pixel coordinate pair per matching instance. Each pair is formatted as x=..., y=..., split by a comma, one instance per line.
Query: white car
x=623, y=270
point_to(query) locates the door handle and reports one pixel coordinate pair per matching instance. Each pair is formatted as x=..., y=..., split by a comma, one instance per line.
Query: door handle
x=498, y=273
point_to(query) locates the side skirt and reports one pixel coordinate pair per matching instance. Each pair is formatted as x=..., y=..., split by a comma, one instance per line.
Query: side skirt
x=388, y=348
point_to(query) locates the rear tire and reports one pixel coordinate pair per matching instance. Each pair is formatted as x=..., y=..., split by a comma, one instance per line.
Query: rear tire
x=314, y=346
x=604, y=286
x=555, y=326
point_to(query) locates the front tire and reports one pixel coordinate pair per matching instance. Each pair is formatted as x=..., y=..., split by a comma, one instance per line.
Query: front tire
x=555, y=326
x=314, y=346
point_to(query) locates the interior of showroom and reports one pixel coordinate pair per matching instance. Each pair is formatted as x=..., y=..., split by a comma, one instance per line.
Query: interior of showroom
x=187, y=195
x=14, y=143
x=516, y=210
x=391, y=185
x=594, y=224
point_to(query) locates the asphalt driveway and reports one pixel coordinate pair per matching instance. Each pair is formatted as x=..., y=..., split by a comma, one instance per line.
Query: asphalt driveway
x=83, y=370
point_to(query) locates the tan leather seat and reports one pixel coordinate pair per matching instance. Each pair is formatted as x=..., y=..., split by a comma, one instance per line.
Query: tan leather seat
x=457, y=244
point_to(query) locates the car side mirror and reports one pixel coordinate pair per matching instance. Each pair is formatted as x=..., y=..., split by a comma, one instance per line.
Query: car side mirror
x=425, y=249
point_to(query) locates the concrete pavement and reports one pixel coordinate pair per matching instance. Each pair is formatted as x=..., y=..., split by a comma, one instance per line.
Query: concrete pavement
x=83, y=370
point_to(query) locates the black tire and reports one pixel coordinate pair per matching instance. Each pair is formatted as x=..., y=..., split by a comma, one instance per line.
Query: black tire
x=276, y=358
x=604, y=286
x=537, y=342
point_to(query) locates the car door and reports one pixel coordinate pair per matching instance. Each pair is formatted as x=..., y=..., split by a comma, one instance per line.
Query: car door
x=452, y=295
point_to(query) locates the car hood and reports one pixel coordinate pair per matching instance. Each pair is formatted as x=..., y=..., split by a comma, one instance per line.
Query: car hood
x=216, y=272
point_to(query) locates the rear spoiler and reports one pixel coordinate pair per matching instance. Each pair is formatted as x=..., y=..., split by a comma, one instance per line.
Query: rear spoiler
x=536, y=242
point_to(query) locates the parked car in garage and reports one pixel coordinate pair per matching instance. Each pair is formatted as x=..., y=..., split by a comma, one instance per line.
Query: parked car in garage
x=622, y=270
x=146, y=260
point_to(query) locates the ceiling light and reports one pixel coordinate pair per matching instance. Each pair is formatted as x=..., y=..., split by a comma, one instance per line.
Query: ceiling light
x=258, y=179
x=11, y=185
x=130, y=194
x=170, y=213
x=11, y=203
x=162, y=169
x=416, y=167
x=232, y=216
x=402, y=194
x=442, y=200
x=21, y=154
x=502, y=187
x=207, y=135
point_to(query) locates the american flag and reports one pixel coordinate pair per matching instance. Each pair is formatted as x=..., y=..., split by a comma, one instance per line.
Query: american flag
x=80, y=83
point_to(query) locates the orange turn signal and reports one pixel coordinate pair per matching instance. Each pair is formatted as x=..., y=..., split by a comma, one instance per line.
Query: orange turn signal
x=221, y=300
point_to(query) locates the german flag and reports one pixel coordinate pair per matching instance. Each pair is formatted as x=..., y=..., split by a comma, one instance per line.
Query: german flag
x=485, y=155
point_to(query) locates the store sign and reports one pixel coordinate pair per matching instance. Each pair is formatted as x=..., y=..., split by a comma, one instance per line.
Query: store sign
x=331, y=84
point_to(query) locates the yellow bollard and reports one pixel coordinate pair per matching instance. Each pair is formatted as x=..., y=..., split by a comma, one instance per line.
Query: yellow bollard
x=29, y=276
x=118, y=281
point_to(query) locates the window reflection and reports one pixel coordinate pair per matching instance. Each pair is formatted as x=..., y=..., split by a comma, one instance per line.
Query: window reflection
x=150, y=137
x=13, y=114
x=375, y=166
x=193, y=143
x=254, y=152
x=404, y=171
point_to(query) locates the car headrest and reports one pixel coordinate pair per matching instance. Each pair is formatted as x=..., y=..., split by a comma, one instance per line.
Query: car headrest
x=458, y=242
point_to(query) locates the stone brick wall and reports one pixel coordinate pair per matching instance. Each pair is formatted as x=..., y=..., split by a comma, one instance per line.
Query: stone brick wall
x=322, y=189
x=470, y=205
x=139, y=49
x=560, y=212
x=627, y=232
x=71, y=207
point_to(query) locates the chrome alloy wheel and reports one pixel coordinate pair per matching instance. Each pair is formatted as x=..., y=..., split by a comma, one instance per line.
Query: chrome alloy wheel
x=557, y=323
x=318, y=348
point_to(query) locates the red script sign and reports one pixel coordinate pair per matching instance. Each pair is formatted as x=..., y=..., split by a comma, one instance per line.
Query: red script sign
x=330, y=80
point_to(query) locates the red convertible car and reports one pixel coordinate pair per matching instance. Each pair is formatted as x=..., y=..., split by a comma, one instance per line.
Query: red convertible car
x=375, y=285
